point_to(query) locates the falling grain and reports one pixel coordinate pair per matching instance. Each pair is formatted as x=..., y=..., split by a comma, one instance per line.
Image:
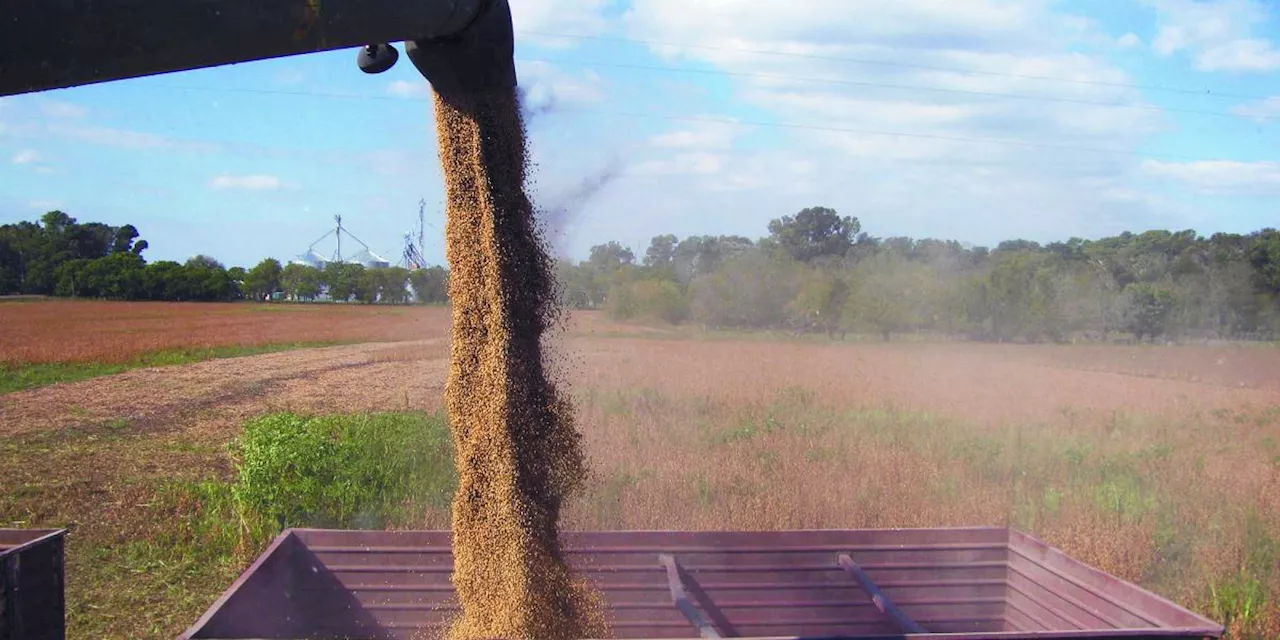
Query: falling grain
x=518, y=453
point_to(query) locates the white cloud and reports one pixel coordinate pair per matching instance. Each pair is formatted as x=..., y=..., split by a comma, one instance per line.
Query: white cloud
x=547, y=86
x=407, y=89
x=699, y=164
x=877, y=138
x=700, y=136
x=26, y=156
x=558, y=18
x=1261, y=110
x=63, y=109
x=1249, y=54
x=1129, y=40
x=290, y=77
x=129, y=139
x=247, y=183
x=989, y=37
x=1217, y=34
x=1220, y=177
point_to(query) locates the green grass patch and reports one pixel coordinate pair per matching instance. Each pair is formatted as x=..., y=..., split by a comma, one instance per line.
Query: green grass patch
x=364, y=472
x=22, y=376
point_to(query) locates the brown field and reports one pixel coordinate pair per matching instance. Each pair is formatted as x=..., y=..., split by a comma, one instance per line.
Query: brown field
x=1158, y=464
x=87, y=331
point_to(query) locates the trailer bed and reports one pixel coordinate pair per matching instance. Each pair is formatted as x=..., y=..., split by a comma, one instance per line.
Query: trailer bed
x=902, y=583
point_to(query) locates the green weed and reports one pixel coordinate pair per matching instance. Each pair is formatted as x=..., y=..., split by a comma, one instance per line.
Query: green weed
x=1238, y=601
x=344, y=471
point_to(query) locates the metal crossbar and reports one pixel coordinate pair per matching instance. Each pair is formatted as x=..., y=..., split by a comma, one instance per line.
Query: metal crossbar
x=877, y=598
x=681, y=598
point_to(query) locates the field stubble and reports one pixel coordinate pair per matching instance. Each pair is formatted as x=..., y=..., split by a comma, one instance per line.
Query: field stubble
x=78, y=331
x=1169, y=483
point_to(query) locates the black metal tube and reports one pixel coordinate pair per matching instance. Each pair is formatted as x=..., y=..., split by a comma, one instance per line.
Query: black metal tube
x=478, y=59
x=52, y=44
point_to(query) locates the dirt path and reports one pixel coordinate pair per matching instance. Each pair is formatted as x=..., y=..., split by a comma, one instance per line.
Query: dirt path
x=220, y=394
x=986, y=383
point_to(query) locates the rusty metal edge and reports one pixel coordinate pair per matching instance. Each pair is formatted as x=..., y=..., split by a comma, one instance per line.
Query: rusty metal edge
x=45, y=534
x=1007, y=635
x=1210, y=627
x=235, y=586
x=572, y=532
x=998, y=635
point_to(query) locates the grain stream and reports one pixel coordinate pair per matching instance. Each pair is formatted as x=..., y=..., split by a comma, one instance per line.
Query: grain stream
x=518, y=454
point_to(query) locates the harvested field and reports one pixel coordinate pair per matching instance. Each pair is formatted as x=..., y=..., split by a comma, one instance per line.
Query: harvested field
x=110, y=332
x=1157, y=464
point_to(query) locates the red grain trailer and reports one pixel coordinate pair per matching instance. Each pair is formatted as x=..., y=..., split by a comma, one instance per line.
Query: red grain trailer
x=904, y=583
x=32, y=597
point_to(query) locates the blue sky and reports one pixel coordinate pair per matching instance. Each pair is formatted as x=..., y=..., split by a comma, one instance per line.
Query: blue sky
x=979, y=121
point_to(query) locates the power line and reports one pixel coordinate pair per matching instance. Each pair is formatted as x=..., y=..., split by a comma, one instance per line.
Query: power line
x=885, y=85
x=728, y=121
x=832, y=81
x=902, y=65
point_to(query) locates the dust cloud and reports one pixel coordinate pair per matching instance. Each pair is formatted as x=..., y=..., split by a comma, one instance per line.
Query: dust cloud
x=563, y=210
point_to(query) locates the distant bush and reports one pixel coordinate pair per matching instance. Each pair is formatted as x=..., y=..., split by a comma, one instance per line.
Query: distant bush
x=361, y=471
x=750, y=290
x=652, y=298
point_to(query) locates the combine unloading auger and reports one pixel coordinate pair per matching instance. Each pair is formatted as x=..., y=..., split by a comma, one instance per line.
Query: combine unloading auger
x=457, y=45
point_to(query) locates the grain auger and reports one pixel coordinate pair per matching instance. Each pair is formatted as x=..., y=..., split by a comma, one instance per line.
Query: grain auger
x=457, y=45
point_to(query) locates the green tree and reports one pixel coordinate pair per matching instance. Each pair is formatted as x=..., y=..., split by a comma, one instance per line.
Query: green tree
x=205, y=279
x=610, y=257
x=885, y=297
x=384, y=284
x=750, y=290
x=344, y=281
x=1149, y=310
x=701, y=255
x=74, y=280
x=661, y=253
x=394, y=285
x=1021, y=297
x=161, y=281
x=814, y=233
x=430, y=285
x=1264, y=256
x=652, y=298
x=301, y=281
x=10, y=265
x=263, y=279
x=58, y=238
x=202, y=261
x=121, y=275
x=123, y=240
x=820, y=301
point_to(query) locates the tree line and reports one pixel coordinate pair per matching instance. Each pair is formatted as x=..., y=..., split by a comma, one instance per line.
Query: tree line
x=813, y=271
x=818, y=271
x=59, y=256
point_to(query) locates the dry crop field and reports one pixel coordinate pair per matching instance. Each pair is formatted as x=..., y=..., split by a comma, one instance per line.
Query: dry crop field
x=110, y=332
x=1159, y=464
